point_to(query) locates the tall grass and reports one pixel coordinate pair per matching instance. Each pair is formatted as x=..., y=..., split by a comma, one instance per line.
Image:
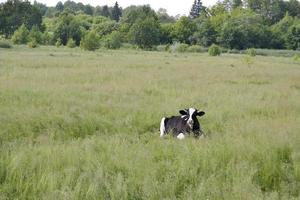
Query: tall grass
x=84, y=125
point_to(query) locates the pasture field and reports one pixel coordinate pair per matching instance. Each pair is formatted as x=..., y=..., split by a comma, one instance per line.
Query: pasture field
x=85, y=125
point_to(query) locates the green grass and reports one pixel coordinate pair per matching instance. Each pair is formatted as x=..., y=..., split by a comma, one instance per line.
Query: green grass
x=84, y=125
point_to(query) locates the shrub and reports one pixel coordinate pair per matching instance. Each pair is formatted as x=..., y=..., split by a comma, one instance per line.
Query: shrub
x=128, y=46
x=20, y=35
x=47, y=38
x=71, y=43
x=214, y=50
x=162, y=47
x=296, y=57
x=58, y=43
x=33, y=43
x=196, y=49
x=113, y=41
x=145, y=33
x=91, y=41
x=5, y=44
x=178, y=47
x=35, y=34
x=251, y=52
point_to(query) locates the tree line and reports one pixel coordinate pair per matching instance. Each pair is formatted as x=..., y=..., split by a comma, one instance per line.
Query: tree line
x=232, y=24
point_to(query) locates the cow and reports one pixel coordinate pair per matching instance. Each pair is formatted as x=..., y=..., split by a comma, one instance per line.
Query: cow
x=181, y=126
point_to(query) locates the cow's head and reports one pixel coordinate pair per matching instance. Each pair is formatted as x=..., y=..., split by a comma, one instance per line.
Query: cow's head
x=191, y=116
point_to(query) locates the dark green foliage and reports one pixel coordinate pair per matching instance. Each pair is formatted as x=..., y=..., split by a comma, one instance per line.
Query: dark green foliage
x=243, y=30
x=59, y=6
x=166, y=33
x=206, y=34
x=105, y=11
x=116, y=12
x=106, y=27
x=68, y=27
x=35, y=35
x=293, y=37
x=41, y=7
x=133, y=14
x=14, y=13
x=145, y=33
x=113, y=41
x=91, y=41
x=196, y=9
x=214, y=50
x=184, y=29
x=21, y=35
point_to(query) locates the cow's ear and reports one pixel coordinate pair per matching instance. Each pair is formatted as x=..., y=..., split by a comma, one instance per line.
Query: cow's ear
x=200, y=113
x=183, y=112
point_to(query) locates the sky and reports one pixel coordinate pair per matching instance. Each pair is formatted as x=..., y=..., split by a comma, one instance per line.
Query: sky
x=181, y=7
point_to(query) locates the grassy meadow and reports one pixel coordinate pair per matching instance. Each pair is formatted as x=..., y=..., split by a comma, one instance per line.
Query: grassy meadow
x=85, y=125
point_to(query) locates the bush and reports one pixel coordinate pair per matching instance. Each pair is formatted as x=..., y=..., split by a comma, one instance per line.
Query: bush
x=71, y=43
x=251, y=52
x=145, y=33
x=128, y=46
x=58, y=43
x=47, y=38
x=5, y=44
x=35, y=34
x=20, y=35
x=178, y=47
x=162, y=47
x=214, y=50
x=91, y=41
x=196, y=49
x=33, y=43
x=113, y=41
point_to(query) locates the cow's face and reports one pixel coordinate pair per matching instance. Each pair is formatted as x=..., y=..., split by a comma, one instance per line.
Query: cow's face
x=190, y=115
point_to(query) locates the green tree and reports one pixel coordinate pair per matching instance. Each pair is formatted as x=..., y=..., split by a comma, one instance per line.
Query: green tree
x=91, y=41
x=116, y=12
x=36, y=35
x=21, y=35
x=113, y=40
x=196, y=9
x=68, y=27
x=163, y=16
x=145, y=33
x=41, y=7
x=293, y=37
x=184, y=29
x=88, y=9
x=105, y=11
x=166, y=33
x=59, y=6
x=14, y=13
x=279, y=31
x=206, y=34
x=244, y=29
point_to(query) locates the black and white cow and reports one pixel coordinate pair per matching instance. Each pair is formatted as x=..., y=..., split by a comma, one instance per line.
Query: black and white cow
x=183, y=125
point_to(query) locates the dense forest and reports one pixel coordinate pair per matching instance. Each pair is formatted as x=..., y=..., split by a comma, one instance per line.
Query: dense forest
x=232, y=24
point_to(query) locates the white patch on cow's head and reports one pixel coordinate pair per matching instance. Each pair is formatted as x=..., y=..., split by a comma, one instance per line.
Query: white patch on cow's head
x=190, y=121
x=181, y=136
